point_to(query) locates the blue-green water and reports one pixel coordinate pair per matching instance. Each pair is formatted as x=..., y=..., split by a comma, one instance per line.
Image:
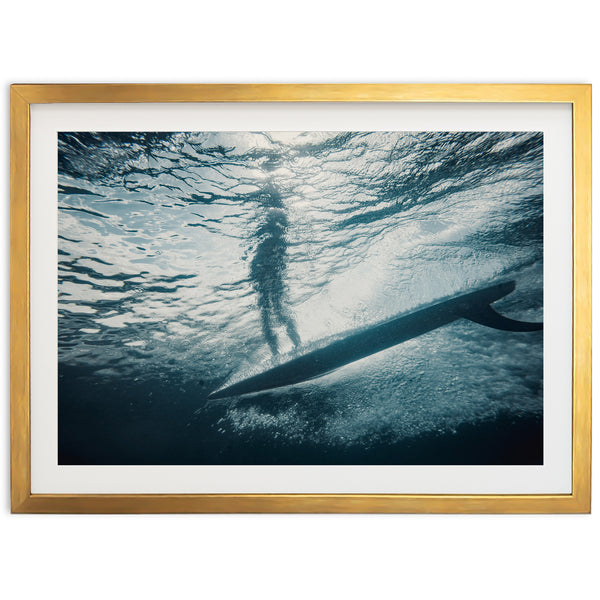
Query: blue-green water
x=189, y=260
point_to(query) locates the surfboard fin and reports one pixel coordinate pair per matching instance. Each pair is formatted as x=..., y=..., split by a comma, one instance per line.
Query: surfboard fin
x=487, y=316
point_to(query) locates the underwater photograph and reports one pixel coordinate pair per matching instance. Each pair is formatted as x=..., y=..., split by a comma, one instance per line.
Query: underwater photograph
x=300, y=298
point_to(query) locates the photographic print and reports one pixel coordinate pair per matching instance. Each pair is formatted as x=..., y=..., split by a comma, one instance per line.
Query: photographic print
x=300, y=298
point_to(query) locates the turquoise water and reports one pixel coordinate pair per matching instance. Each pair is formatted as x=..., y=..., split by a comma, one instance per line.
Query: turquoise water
x=190, y=260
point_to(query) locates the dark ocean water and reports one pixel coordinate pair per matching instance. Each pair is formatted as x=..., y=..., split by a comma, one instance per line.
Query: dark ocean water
x=190, y=260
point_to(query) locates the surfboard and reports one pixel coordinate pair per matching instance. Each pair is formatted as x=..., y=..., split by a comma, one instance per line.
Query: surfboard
x=474, y=306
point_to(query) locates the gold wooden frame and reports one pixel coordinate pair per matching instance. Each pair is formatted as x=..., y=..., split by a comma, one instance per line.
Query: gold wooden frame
x=23, y=501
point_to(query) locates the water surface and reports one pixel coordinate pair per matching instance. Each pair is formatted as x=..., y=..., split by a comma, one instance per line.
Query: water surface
x=187, y=260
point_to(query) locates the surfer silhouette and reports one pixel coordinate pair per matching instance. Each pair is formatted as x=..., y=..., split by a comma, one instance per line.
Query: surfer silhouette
x=268, y=268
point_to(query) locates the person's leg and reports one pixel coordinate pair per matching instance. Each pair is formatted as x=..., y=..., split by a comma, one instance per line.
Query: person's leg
x=267, y=327
x=285, y=317
x=292, y=332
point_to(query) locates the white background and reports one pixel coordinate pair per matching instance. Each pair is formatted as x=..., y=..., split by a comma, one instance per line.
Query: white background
x=463, y=556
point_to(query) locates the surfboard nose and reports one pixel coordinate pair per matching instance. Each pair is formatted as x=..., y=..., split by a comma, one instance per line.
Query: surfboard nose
x=217, y=394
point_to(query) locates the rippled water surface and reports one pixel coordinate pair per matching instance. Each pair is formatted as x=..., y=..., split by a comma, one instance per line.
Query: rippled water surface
x=190, y=260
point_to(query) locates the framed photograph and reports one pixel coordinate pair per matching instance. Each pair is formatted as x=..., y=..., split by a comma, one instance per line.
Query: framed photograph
x=301, y=298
